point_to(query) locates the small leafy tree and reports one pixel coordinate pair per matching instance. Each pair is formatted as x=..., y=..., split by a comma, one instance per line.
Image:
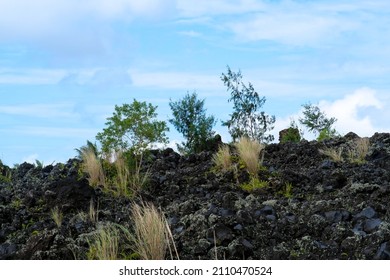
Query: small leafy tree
x=316, y=121
x=189, y=118
x=246, y=119
x=132, y=127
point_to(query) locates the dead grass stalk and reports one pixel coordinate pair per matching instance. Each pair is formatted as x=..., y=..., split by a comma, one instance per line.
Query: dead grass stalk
x=93, y=167
x=151, y=236
x=222, y=158
x=249, y=152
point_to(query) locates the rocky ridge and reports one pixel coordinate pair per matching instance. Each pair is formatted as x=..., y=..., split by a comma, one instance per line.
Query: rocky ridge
x=334, y=210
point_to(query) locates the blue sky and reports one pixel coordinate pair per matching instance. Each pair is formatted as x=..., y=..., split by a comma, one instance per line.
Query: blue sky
x=64, y=64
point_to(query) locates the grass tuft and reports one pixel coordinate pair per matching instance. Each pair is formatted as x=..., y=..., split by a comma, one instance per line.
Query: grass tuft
x=254, y=185
x=122, y=176
x=334, y=154
x=93, y=167
x=151, y=232
x=249, y=152
x=222, y=158
x=358, y=153
x=57, y=216
x=105, y=244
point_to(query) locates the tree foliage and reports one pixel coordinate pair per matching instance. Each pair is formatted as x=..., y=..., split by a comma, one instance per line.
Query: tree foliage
x=132, y=127
x=190, y=119
x=316, y=121
x=247, y=119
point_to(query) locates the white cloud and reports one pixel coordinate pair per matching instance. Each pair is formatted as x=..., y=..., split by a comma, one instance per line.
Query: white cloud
x=346, y=110
x=349, y=112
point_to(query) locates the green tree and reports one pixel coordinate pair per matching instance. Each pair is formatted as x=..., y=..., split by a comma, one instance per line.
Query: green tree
x=246, y=120
x=316, y=121
x=133, y=127
x=189, y=118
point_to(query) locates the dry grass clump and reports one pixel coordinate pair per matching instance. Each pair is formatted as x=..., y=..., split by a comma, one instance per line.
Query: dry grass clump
x=93, y=212
x=356, y=153
x=222, y=158
x=57, y=216
x=129, y=181
x=93, y=167
x=249, y=152
x=105, y=244
x=122, y=178
x=333, y=154
x=138, y=179
x=151, y=236
x=359, y=151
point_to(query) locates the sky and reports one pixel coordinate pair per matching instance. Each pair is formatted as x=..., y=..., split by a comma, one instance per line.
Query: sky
x=65, y=64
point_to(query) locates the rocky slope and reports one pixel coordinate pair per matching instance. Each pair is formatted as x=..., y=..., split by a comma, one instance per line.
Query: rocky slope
x=335, y=210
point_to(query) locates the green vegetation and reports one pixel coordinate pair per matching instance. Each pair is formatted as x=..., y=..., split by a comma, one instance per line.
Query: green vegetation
x=189, y=118
x=287, y=191
x=7, y=178
x=254, y=185
x=5, y=173
x=39, y=164
x=16, y=203
x=246, y=120
x=292, y=134
x=132, y=127
x=326, y=134
x=316, y=121
x=130, y=131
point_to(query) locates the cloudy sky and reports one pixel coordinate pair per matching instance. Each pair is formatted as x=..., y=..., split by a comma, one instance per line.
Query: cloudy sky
x=64, y=64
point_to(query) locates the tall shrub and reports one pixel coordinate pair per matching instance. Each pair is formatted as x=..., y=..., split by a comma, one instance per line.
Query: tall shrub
x=190, y=119
x=246, y=120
